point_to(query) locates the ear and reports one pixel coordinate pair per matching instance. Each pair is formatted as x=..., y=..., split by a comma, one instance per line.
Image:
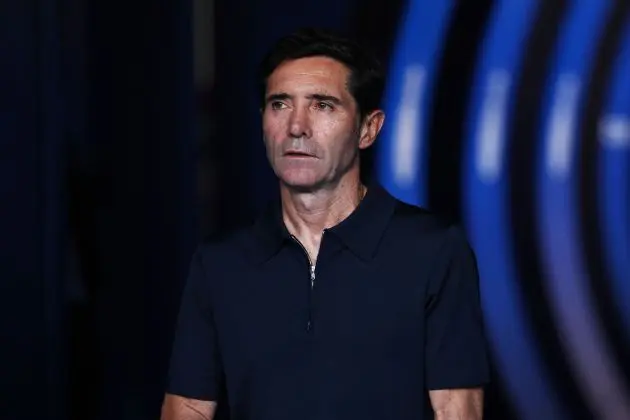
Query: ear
x=370, y=128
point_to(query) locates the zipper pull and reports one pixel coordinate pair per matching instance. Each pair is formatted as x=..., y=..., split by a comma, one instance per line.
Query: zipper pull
x=312, y=276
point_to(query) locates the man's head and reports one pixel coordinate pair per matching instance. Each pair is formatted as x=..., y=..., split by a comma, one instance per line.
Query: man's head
x=321, y=97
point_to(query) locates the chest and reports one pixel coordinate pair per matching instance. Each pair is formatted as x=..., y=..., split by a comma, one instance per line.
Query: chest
x=343, y=300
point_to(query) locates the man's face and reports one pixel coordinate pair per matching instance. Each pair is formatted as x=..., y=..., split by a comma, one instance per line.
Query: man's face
x=311, y=123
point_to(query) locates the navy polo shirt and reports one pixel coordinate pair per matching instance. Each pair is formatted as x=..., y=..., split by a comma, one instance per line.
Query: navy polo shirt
x=390, y=311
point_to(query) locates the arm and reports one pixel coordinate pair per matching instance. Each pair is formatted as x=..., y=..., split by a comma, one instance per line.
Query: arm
x=195, y=373
x=457, y=404
x=181, y=408
x=456, y=356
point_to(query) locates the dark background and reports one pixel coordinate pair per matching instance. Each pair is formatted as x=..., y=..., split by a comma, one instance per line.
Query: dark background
x=117, y=157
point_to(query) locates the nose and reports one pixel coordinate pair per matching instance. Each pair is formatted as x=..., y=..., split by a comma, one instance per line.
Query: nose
x=299, y=123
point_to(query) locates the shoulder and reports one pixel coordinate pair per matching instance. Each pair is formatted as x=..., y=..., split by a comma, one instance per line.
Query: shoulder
x=420, y=225
x=430, y=237
x=217, y=258
x=226, y=249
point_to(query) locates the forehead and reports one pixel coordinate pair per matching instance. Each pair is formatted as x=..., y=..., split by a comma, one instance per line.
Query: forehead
x=308, y=74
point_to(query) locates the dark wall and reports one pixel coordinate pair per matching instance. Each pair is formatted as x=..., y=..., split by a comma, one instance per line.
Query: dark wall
x=31, y=215
x=99, y=203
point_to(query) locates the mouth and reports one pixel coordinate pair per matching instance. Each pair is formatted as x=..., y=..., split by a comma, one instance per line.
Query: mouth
x=297, y=154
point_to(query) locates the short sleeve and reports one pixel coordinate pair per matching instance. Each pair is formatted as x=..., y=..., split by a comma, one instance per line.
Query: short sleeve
x=456, y=349
x=195, y=367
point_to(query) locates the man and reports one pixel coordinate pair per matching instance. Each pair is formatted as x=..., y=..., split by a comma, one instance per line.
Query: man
x=340, y=302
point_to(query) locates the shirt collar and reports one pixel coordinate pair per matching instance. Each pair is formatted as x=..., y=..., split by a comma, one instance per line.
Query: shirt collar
x=360, y=232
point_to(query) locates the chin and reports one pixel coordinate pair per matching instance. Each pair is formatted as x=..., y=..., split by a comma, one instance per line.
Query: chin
x=302, y=186
x=301, y=181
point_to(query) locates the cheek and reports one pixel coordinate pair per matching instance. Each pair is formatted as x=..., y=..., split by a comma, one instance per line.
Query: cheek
x=271, y=137
x=272, y=146
x=339, y=141
x=273, y=127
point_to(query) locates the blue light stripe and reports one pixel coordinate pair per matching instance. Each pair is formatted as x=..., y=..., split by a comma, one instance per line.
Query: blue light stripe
x=558, y=203
x=402, y=162
x=614, y=179
x=487, y=213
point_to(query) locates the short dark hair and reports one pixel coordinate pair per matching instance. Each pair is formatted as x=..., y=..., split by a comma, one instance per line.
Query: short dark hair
x=366, y=81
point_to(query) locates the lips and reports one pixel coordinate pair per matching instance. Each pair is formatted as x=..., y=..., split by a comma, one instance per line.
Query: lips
x=297, y=153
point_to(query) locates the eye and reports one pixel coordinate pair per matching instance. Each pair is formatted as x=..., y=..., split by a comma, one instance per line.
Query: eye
x=323, y=106
x=275, y=105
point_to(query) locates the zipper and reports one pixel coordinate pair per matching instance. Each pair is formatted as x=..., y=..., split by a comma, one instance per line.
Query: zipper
x=312, y=276
x=311, y=266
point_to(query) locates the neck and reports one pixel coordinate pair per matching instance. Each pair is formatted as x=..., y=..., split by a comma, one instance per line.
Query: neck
x=308, y=214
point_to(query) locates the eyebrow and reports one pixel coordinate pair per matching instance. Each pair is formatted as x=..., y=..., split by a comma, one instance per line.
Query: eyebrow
x=278, y=97
x=327, y=98
x=316, y=96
